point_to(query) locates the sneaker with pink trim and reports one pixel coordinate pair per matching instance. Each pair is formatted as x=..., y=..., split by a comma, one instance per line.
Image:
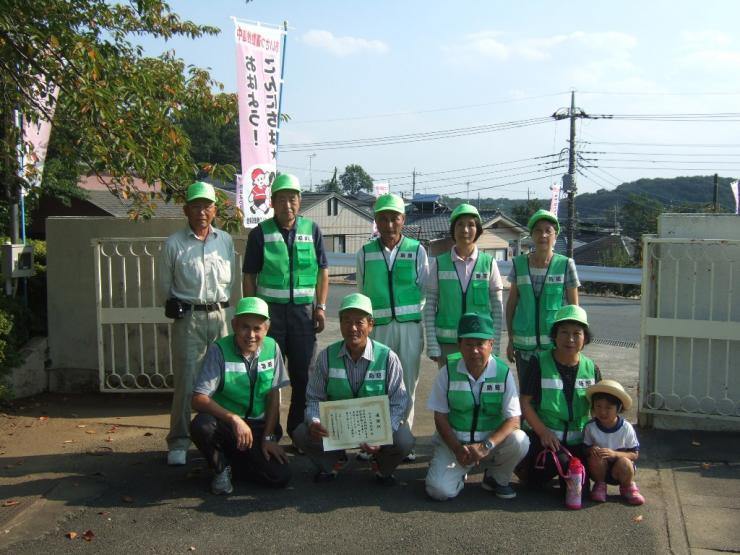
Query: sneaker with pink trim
x=632, y=494
x=598, y=492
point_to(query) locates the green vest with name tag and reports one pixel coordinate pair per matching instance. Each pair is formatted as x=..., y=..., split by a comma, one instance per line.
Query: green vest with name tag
x=338, y=387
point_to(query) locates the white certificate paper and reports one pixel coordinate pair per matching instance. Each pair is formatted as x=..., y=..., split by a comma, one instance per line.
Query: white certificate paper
x=354, y=421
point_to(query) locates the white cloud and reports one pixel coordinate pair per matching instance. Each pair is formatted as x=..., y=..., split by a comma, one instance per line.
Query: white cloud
x=706, y=39
x=710, y=51
x=343, y=46
x=492, y=45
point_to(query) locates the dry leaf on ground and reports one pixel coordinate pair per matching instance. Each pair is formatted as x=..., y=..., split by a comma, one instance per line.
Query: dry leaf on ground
x=82, y=425
x=637, y=518
x=10, y=503
x=88, y=536
x=90, y=432
x=71, y=535
x=44, y=418
x=69, y=441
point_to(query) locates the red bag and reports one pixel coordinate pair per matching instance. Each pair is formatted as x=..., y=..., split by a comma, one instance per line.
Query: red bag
x=574, y=478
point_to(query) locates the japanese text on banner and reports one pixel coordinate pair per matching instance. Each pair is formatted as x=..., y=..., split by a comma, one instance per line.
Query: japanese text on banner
x=258, y=58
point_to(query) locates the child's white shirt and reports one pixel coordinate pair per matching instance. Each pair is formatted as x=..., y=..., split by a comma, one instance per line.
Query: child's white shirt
x=621, y=437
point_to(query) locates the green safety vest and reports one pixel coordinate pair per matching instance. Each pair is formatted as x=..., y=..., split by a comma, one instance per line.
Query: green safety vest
x=393, y=292
x=236, y=392
x=453, y=301
x=283, y=275
x=374, y=384
x=534, y=315
x=475, y=422
x=566, y=422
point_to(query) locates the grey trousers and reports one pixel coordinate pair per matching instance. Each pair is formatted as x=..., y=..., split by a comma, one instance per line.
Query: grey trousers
x=191, y=337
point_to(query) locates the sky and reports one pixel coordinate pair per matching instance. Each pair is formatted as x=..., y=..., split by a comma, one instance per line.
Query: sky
x=668, y=71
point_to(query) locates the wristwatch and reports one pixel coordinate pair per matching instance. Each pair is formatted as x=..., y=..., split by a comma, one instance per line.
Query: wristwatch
x=488, y=444
x=322, y=306
x=272, y=438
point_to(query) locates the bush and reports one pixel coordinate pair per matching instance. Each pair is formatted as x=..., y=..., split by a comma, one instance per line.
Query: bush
x=15, y=331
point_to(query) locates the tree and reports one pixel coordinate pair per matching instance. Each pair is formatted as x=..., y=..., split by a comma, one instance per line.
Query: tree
x=639, y=215
x=122, y=113
x=523, y=212
x=355, y=179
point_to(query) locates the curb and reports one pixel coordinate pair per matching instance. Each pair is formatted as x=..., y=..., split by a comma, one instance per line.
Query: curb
x=675, y=523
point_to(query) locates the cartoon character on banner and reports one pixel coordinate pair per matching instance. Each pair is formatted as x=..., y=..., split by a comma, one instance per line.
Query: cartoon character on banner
x=259, y=195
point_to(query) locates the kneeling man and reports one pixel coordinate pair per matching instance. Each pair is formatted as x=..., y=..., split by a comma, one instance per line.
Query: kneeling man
x=476, y=413
x=237, y=397
x=355, y=367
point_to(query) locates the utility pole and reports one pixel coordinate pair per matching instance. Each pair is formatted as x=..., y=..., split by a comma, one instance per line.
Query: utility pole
x=310, y=171
x=413, y=183
x=716, y=193
x=569, y=179
x=467, y=189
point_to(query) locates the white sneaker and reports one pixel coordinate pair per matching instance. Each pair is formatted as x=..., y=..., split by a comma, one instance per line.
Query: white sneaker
x=221, y=484
x=177, y=457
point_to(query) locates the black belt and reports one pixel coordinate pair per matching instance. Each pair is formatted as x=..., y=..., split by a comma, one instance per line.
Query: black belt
x=210, y=307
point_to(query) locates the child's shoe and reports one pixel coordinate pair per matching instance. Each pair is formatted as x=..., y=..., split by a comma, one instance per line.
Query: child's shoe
x=632, y=494
x=598, y=492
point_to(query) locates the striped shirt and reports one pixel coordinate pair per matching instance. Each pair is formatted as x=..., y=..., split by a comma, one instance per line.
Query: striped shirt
x=319, y=376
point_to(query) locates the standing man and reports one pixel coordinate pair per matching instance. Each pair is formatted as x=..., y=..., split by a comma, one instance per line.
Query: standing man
x=476, y=413
x=392, y=271
x=356, y=367
x=197, y=268
x=285, y=265
x=237, y=397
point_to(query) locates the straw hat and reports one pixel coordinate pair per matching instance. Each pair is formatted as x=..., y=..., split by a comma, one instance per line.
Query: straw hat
x=612, y=388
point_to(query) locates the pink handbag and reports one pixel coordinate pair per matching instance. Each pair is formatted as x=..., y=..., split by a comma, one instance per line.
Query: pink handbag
x=574, y=478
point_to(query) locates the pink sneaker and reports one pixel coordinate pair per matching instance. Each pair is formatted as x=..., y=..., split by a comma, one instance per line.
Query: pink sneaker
x=598, y=492
x=632, y=494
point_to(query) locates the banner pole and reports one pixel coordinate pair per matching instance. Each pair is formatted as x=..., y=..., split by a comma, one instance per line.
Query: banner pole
x=280, y=98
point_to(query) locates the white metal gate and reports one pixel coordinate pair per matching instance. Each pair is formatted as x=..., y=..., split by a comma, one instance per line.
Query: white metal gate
x=690, y=344
x=134, y=336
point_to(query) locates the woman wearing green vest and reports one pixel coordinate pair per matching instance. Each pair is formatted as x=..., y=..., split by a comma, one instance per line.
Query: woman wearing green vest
x=539, y=283
x=553, y=399
x=461, y=280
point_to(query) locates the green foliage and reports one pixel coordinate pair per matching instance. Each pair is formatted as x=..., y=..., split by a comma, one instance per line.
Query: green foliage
x=330, y=186
x=639, y=215
x=118, y=113
x=355, y=179
x=523, y=212
x=14, y=331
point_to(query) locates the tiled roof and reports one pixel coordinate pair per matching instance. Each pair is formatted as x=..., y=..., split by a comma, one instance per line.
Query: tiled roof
x=596, y=252
x=118, y=207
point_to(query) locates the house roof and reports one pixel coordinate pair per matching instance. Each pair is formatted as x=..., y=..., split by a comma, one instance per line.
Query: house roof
x=437, y=225
x=309, y=200
x=595, y=252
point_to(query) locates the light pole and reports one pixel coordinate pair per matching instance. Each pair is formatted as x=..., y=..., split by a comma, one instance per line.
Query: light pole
x=310, y=171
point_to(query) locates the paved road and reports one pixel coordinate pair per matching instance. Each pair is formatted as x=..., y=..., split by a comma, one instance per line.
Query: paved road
x=611, y=318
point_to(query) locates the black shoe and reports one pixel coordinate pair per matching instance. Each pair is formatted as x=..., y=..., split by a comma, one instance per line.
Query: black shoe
x=389, y=480
x=323, y=477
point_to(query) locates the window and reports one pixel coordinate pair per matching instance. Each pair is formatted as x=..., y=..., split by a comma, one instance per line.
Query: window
x=335, y=243
x=332, y=207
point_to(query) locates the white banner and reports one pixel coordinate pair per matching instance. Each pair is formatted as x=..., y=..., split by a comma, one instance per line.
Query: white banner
x=259, y=53
x=735, y=195
x=555, y=198
x=36, y=135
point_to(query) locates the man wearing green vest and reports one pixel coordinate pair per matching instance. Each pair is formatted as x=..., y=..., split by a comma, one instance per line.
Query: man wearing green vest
x=476, y=413
x=355, y=367
x=237, y=397
x=285, y=264
x=197, y=271
x=392, y=271
x=541, y=282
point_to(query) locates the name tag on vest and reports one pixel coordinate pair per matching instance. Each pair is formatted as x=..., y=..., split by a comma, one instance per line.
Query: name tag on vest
x=582, y=384
x=375, y=375
x=303, y=238
x=555, y=279
x=492, y=387
x=406, y=256
x=266, y=365
x=481, y=275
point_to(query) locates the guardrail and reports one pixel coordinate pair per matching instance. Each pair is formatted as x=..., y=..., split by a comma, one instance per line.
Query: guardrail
x=596, y=274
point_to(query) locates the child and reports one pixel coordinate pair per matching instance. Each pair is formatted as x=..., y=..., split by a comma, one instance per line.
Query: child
x=611, y=442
